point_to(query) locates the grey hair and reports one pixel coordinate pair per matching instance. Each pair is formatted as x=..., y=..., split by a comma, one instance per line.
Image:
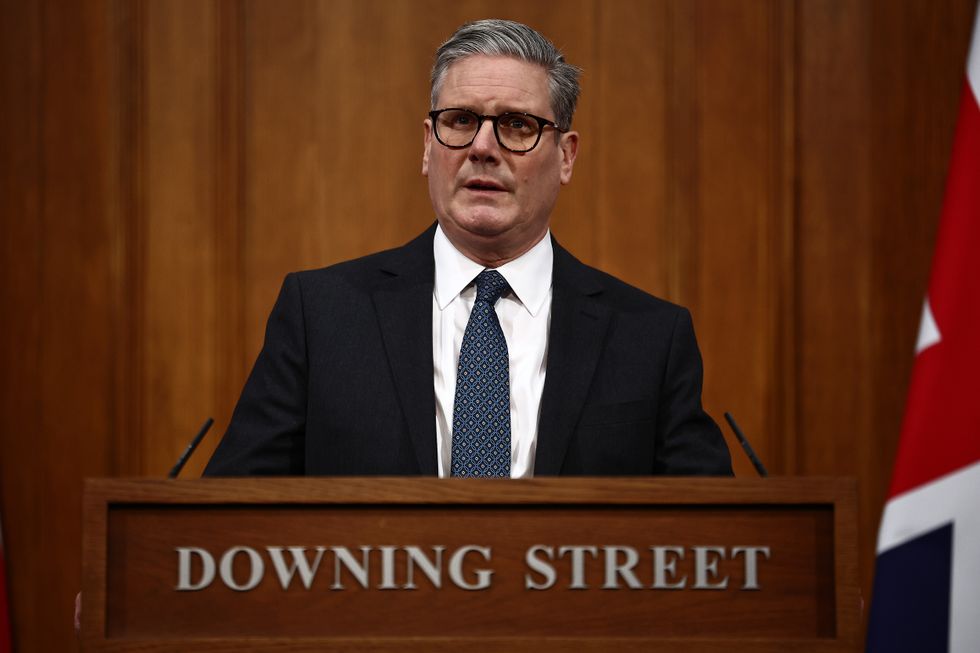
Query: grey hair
x=504, y=38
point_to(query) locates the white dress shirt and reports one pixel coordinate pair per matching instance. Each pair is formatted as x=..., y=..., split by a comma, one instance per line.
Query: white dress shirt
x=524, y=314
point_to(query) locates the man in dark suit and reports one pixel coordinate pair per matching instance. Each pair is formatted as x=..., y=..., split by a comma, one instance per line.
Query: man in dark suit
x=482, y=347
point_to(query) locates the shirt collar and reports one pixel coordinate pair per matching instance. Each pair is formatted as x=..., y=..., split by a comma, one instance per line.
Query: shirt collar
x=529, y=275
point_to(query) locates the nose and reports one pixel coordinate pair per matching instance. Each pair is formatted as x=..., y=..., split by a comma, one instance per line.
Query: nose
x=485, y=146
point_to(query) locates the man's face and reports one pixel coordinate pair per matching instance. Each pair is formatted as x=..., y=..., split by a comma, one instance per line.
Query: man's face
x=494, y=204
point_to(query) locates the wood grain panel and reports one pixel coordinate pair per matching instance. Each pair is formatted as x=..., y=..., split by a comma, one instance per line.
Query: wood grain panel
x=132, y=527
x=732, y=264
x=75, y=285
x=682, y=87
x=57, y=297
x=630, y=140
x=176, y=211
x=232, y=357
x=124, y=143
x=834, y=383
x=21, y=256
x=281, y=230
x=785, y=299
x=797, y=601
x=75, y=280
x=835, y=236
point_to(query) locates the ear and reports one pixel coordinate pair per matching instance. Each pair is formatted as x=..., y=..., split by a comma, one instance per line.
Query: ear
x=426, y=144
x=568, y=146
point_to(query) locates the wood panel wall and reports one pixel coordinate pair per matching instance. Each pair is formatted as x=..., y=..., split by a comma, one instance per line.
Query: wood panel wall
x=775, y=166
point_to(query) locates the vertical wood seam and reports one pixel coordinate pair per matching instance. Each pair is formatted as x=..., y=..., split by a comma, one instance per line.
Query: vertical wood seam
x=118, y=409
x=227, y=207
x=41, y=191
x=691, y=268
x=794, y=333
x=243, y=354
x=598, y=216
x=785, y=319
x=682, y=154
x=126, y=456
x=673, y=179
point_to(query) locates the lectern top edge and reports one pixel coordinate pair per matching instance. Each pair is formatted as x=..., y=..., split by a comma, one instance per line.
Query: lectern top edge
x=419, y=490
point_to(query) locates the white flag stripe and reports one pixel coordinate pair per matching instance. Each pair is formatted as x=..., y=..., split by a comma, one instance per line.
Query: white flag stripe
x=928, y=329
x=929, y=506
x=949, y=499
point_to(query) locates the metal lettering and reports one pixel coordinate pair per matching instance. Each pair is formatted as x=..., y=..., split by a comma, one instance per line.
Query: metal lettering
x=705, y=568
x=432, y=571
x=662, y=567
x=226, y=568
x=299, y=563
x=751, y=564
x=343, y=556
x=615, y=570
x=578, y=563
x=184, y=554
x=539, y=566
x=388, y=568
x=456, y=568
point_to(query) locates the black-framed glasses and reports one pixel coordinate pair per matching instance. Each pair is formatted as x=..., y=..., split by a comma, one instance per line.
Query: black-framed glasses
x=515, y=131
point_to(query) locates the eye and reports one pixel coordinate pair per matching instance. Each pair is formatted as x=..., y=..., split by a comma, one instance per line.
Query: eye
x=518, y=124
x=458, y=120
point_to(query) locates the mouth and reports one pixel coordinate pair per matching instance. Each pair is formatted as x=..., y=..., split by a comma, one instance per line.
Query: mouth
x=484, y=186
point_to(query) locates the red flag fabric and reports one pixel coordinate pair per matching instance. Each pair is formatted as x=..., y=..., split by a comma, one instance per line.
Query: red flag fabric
x=927, y=577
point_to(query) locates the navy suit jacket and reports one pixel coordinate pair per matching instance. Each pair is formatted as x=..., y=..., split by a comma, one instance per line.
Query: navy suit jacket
x=344, y=382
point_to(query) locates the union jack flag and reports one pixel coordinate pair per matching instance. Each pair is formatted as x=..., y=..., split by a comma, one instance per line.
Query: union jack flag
x=927, y=577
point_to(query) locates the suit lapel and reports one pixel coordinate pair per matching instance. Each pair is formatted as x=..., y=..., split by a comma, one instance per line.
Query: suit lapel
x=575, y=341
x=403, y=302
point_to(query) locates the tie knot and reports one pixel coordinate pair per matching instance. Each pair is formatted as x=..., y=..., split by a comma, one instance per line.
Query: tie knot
x=490, y=285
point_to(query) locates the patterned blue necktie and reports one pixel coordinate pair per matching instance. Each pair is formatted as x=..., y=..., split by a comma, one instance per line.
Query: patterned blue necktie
x=481, y=412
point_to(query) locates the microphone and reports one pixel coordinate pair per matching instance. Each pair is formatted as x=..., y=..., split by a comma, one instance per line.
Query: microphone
x=759, y=467
x=190, y=449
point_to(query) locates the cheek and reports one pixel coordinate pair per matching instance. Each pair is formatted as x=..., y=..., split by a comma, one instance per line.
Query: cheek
x=443, y=169
x=442, y=182
x=539, y=184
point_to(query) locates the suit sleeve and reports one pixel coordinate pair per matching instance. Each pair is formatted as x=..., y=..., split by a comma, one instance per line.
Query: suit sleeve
x=690, y=443
x=267, y=430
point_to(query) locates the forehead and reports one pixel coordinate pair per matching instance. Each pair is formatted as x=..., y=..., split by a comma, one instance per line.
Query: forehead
x=491, y=84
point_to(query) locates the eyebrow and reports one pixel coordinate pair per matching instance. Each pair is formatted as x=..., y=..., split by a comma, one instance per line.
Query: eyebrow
x=499, y=113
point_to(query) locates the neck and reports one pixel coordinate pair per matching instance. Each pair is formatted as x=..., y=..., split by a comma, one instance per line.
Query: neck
x=491, y=253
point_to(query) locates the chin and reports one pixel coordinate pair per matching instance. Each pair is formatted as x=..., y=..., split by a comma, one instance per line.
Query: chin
x=485, y=224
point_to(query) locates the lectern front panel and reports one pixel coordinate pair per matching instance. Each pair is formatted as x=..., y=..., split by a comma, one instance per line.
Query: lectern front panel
x=381, y=564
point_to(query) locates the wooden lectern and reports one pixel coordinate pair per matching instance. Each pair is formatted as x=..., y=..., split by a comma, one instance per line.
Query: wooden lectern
x=413, y=564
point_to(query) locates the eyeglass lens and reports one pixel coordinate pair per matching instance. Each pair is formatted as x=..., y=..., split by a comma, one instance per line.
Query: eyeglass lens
x=458, y=128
